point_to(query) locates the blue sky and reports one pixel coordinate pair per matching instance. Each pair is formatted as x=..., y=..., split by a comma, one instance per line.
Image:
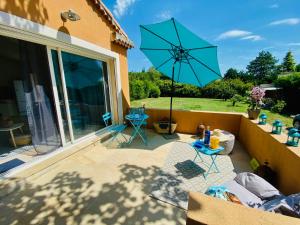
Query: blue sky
x=240, y=29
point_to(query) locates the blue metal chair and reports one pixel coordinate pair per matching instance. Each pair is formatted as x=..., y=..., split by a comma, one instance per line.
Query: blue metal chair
x=114, y=129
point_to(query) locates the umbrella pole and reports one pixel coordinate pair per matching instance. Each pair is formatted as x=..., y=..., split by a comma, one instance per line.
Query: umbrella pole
x=171, y=102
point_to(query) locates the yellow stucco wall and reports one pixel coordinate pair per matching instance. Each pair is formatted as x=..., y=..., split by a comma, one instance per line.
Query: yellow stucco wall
x=93, y=26
x=255, y=138
x=188, y=120
x=265, y=146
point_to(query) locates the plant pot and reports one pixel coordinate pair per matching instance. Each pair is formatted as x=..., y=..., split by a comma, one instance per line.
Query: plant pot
x=253, y=113
x=163, y=127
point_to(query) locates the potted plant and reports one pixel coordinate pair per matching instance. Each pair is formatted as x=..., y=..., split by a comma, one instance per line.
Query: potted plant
x=162, y=126
x=255, y=102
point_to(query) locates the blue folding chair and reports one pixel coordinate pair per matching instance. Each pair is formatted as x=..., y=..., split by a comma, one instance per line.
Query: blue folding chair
x=114, y=129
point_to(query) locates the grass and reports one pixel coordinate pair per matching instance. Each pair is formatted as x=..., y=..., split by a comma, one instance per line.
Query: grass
x=205, y=104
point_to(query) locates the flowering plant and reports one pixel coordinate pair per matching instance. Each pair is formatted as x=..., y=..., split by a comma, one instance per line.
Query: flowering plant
x=256, y=96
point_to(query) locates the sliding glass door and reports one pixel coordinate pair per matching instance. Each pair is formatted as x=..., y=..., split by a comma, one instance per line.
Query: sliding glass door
x=85, y=81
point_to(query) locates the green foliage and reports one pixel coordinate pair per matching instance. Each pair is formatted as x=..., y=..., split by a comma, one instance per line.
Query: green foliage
x=226, y=89
x=278, y=106
x=231, y=74
x=289, y=64
x=219, y=89
x=138, y=89
x=268, y=103
x=291, y=81
x=298, y=68
x=290, y=91
x=237, y=98
x=180, y=90
x=154, y=91
x=263, y=67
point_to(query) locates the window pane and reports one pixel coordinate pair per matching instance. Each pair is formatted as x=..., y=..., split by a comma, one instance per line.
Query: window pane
x=85, y=81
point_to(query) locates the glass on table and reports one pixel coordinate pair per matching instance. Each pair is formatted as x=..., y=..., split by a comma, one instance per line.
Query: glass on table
x=214, y=142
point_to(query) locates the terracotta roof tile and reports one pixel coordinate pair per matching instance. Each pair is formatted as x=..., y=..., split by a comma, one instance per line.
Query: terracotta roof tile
x=119, y=36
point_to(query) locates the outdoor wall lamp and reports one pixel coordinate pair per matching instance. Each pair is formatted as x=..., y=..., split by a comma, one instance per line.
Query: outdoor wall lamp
x=69, y=15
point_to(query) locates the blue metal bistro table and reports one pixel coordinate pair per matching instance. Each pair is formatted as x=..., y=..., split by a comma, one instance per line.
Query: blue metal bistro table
x=200, y=148
x=137, y=120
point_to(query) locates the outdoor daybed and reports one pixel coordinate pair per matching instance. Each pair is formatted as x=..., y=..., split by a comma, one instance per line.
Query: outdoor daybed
x=255, y=192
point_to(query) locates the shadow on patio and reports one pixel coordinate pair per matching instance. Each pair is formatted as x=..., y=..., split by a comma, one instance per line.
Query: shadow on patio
x=70, y=198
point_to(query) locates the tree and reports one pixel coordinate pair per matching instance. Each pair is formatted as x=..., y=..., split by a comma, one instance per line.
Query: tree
x=298, y=68
x=231, y=74
x=263, y=67
x=289, y=64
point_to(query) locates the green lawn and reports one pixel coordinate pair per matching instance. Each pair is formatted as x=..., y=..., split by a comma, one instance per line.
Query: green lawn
x=206, y=105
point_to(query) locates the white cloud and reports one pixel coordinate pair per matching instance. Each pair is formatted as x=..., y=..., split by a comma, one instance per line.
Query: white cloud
x=274, y=6
x=233, y=34
x=289, y=21
x=164, y=15
x=252, y=38
x=294, y=44
x=121, y=7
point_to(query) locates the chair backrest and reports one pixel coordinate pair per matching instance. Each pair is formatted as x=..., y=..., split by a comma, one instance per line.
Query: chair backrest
x=106, y=117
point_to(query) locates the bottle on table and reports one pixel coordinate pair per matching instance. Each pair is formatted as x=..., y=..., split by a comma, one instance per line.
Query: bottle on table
x=207, y=136
x=201, y=130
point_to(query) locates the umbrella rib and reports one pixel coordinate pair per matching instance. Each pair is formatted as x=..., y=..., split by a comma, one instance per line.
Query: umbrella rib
x=176, y=32
x=194, y=72
x=157, y=35
x=158, y=49
x=190, y=49
x=203, y=64
x=164, y=63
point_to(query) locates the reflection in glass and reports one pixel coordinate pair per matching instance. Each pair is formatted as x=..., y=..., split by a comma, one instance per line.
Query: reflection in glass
x=86, y=82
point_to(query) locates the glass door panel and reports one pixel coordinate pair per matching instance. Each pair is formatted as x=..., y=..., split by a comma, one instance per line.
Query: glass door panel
x=88, y=95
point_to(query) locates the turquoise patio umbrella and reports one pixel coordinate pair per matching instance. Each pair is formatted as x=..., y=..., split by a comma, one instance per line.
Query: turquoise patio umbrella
x=179, y=54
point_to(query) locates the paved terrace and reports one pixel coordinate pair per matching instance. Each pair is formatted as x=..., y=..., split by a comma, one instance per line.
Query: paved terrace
x=98, y=185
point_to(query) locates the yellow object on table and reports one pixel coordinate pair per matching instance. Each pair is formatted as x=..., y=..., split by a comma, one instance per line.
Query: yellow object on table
x=214, y=142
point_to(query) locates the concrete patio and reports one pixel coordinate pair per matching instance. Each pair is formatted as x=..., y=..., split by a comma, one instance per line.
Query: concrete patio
x=98, y=185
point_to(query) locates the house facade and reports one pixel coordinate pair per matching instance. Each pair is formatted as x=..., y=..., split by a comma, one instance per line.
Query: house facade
x=63, y=65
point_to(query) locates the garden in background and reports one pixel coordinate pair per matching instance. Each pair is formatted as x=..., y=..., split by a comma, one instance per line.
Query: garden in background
x=231, y=94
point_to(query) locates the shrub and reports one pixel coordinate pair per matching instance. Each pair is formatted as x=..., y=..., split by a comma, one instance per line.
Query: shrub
x=180, y=90
x=237, y=98
x=290, y=91
x=268, y=103
x=154, y=91
x=138, y=90
x=278, y=106
x=226, y=89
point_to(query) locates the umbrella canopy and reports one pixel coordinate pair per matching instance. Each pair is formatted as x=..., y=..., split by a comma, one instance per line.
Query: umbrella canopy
x=169, y=43
x=179, y=54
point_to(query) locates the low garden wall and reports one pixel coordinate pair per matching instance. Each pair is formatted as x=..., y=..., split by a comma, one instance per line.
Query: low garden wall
x=188, y=120
x=255, y=138
x=264, y=146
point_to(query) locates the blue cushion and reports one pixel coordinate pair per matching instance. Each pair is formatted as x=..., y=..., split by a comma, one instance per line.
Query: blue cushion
x=289, y=205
